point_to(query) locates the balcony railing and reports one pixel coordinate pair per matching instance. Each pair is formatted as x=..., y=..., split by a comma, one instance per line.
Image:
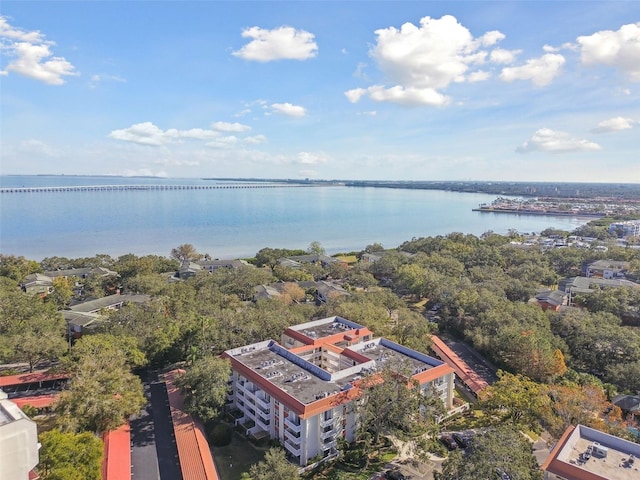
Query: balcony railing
x=326, y=423
x=296, y=427
x=292, y=438
x=295, y=450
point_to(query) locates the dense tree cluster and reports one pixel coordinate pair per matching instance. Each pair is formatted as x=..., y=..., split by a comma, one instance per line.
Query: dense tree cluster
x=559, y=368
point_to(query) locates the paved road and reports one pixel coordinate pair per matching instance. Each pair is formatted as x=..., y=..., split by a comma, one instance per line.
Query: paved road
x=154, y=455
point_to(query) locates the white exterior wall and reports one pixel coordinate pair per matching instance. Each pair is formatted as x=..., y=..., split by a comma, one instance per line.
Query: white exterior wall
x=18, y=442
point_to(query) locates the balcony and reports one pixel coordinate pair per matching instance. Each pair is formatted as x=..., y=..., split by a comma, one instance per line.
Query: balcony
x=263, y=414
x=296, y=427
x=292, y=438
x=329, y=445
x=293, y=449
x=328, y=434
x=328, y=422
x=262, y=402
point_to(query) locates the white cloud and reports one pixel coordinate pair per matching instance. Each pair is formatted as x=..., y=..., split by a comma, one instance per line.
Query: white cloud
x=502, y=56
x=541, y=71
x=256, y=139
x=283, y=43
x=419, y=61
x=614, y=124
x=400, y=95
x=230, y=127
x=478, y=76
x=31, y=55
x=223, y=142
x=147, y=133
x=619, y=49
x=553, y=141
x=288, y=109
x=309, y=158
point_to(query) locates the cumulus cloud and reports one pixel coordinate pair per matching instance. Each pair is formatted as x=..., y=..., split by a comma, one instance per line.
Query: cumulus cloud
x=553, y=141
x=256, y=139
x=288, y=109
x=420, y=61
x=31, y=55
x=541, y=71
x=309, y=158
x=223, y=142
x=230, y=127
x=147, y=133
x=614, y=124
x=619, y=49
x=502, y=56
x=283, y=43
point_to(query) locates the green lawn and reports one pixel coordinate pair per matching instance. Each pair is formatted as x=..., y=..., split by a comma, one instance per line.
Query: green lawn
x=236, y=458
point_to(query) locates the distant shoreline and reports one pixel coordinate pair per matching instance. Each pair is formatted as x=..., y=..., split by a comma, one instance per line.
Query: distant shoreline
x=550, y=213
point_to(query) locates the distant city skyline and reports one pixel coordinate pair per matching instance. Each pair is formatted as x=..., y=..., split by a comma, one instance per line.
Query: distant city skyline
x=373, y=90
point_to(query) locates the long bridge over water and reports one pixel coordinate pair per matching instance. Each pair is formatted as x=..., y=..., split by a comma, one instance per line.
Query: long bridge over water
x=101, y=188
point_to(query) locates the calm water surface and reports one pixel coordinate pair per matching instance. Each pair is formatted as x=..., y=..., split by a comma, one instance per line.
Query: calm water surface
x=230, y=223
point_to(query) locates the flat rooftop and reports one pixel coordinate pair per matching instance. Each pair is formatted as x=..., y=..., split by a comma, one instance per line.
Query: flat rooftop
x=577, y=453
x=327, y=327
x=307, y=382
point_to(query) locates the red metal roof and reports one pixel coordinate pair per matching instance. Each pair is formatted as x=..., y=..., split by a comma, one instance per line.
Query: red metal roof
x=116, y=462
x=33, y=377
x=37, y=401
x=196, y=461
x=463, y=371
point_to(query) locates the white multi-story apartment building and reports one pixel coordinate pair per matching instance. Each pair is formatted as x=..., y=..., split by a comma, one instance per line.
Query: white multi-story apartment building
x=303, y=390
x=18, y=441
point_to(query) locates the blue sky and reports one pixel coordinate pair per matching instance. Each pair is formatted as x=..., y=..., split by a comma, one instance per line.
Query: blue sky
x=480, y=90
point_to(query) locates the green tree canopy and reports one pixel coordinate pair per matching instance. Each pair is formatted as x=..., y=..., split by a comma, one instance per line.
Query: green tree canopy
x=70, y=456
x=274, y=467
x=205, y=387
x=498, y=451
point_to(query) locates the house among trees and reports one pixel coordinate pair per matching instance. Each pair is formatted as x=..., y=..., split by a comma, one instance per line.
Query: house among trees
x=86, y=317
x=607, y=269
x=552, y=299
x=296, y=261
x=303, y=391
x=42, y=283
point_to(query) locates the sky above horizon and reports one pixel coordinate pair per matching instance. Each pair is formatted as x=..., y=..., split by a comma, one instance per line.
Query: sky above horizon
x=375, y=90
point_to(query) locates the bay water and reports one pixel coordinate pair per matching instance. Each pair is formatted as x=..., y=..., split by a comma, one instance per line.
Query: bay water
x=235, y=222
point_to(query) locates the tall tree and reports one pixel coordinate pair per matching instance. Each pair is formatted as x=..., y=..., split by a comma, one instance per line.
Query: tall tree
x=31, y=330
x=205, y=387
x=316, y=248
x=185, y=253
x=70, y=456
x=274, y=467
x=393, y=403
x=500, y=452
x=102, y=392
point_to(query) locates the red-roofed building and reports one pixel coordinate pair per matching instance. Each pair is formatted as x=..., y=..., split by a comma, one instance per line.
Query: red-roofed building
x=303, y=391
x=35, y=380
x=464, y=373
x=37, y=401
x=196, y=461
x=116, y=462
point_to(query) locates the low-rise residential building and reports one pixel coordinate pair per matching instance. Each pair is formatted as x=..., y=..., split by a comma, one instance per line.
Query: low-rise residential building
x=303, y=391
x=584, y=453
x=607, y=269
x=18, y=441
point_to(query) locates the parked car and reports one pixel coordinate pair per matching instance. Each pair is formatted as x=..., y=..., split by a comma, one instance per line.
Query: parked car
x=395, y=475
x=463, y=439
x=448, y=441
